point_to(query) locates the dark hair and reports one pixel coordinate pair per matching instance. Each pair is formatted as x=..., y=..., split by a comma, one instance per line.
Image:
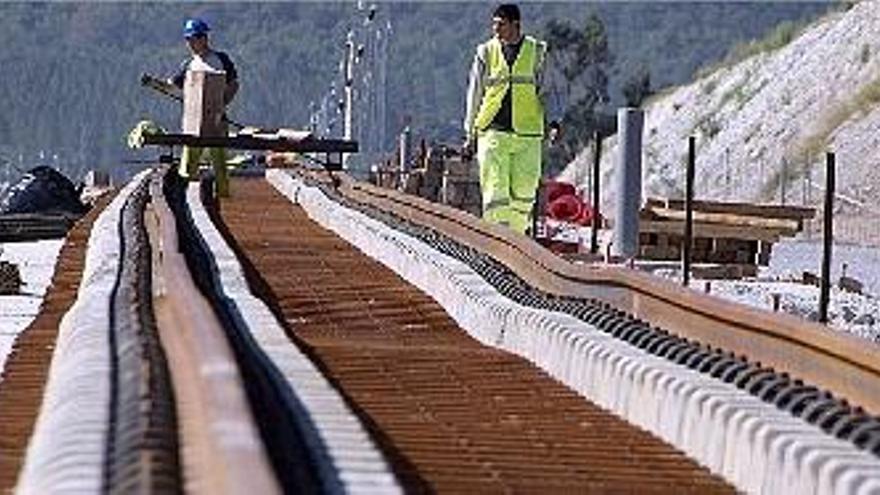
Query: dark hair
x=507, y=11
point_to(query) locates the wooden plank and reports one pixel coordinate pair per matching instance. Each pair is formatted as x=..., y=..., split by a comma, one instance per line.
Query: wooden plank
x=203, y=103
x=798, y=213
x=711, y=230
x=781, y=224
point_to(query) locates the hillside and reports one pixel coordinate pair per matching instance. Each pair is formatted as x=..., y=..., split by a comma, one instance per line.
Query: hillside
x=763, y=125
x=69, y=92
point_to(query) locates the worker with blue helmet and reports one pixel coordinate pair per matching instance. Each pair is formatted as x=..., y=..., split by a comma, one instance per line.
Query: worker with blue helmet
x=202, y=58
x=195, y=27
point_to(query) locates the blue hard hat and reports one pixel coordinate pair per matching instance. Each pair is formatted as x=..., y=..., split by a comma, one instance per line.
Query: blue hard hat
x=195, y=27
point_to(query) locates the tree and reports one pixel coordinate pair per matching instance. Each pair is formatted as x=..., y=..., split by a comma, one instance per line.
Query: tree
x=577, y=78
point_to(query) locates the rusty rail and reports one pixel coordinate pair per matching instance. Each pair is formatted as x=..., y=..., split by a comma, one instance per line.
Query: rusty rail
x=222, y=450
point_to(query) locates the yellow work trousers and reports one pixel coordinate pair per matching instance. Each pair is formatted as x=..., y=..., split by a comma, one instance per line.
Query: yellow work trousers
x=510, y=168
x=189, y=166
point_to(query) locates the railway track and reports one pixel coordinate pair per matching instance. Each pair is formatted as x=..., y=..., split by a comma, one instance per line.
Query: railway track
x=322, y=335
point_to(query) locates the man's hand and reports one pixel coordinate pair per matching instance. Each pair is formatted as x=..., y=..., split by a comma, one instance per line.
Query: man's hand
x=469, y=148
x=555, y=133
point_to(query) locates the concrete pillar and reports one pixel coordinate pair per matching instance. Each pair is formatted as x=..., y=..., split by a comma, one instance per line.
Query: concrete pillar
x=628, y=182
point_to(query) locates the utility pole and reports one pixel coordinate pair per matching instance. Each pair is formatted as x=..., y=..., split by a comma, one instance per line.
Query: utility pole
x=827, y=237
x=348, y=111
x=688, y=212
x=382, y=55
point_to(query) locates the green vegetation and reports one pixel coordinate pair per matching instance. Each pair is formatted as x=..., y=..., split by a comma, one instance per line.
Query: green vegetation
x=579, y=61
x=780, y=36
x=737, y=93
x=861, y=103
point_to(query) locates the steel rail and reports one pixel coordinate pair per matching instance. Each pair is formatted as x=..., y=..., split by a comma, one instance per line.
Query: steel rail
x=221, y=448
x=809, y=351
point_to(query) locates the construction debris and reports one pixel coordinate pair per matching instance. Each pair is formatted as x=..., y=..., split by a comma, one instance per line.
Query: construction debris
x=10, y=279
x=724, y=233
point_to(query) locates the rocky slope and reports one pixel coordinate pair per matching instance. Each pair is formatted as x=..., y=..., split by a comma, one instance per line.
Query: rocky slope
x=764, y=124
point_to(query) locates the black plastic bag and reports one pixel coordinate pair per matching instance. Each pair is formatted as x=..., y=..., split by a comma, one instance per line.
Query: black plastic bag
x=43, y=190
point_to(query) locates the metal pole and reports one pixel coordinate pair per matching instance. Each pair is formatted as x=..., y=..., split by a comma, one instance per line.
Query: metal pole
x=349, y=93
x=827, y=238
x=597, y=159
x=688, y=213
x=403, y=157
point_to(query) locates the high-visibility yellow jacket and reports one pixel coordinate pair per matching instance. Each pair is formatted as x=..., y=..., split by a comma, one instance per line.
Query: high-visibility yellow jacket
x=527, y=111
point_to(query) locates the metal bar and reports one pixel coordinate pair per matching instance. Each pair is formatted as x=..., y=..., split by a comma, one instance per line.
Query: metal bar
x=207, y=401
x=311, y=145
x=827, y=238
x=597, y=159
x=689, y=213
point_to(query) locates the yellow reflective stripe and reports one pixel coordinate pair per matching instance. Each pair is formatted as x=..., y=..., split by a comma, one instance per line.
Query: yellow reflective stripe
x=498, y=203
x=496, y=81
x=522, y=79
x=510, y=79
x=514, y=197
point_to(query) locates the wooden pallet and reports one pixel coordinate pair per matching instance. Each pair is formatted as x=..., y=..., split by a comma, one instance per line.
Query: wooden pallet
x=724, y=233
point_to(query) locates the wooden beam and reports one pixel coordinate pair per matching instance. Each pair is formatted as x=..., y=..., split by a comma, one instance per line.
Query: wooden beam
x=308, y=145
x=782, y=224
x=710, y=230
x=764, y=211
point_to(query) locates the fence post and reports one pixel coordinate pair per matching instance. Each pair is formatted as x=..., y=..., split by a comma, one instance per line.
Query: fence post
x=827, y=238
x=597, y=159
x=688, y=212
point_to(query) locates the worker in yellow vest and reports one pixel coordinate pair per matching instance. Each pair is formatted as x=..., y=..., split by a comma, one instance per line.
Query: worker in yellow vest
x=504, y=119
